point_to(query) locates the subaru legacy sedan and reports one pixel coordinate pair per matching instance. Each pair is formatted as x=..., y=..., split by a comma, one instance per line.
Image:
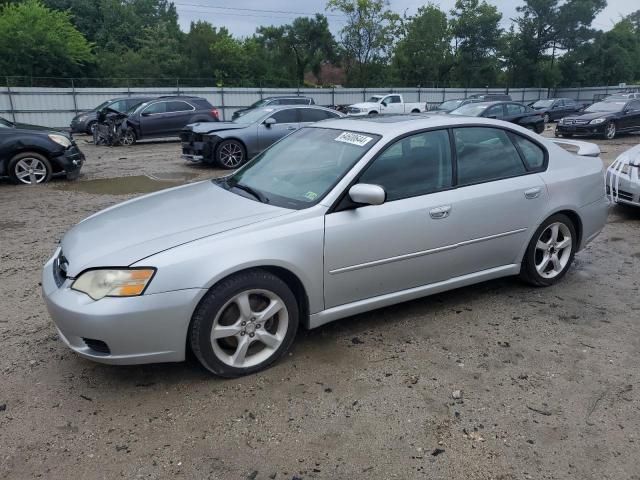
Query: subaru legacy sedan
x=338, y=218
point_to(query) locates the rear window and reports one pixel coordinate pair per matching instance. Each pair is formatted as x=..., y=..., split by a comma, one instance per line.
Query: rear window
x=532, y=154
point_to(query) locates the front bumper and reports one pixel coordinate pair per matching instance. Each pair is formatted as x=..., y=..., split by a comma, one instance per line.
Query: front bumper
x=144, y=329
x=70, y=161
x=581, y=129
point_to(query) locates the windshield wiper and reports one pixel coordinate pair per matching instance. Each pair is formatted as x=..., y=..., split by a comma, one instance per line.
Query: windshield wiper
x=260, y=196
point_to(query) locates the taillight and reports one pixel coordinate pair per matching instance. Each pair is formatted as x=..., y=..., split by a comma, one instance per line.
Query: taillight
x=215, y=113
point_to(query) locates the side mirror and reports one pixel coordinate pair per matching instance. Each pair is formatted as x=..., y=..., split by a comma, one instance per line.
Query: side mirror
x=146, y=114
x=269, y=121
x=384, y=104
x=367, y=194
x=492, y=116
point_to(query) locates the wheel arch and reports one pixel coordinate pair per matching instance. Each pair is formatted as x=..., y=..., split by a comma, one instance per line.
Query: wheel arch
x=573, y=216
x=55, y=167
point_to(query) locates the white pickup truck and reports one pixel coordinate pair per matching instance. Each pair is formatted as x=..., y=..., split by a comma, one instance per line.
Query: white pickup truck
x=391, y=103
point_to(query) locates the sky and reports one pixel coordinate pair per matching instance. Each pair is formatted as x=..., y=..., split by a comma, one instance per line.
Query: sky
x=241, y=17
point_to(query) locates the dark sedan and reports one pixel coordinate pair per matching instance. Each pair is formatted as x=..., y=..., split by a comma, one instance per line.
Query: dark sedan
x=555, y=108
x=508, y=111
x=272, y=102
x=85, y=122
x=230, y=144
x=602, y=118
x=30, y=154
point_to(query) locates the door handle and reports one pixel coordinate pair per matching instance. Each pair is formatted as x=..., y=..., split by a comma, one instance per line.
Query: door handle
x=532, y=193
x=440, y=212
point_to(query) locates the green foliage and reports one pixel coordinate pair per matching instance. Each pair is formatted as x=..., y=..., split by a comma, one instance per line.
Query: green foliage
x=50, y=46
x=423, y=55
x=549, y=43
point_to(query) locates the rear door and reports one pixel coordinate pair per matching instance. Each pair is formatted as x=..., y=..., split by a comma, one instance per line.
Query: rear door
x=177, y=115
x=287, y=121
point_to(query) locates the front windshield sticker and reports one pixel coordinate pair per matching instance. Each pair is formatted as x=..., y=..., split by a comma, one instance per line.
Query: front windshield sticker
x=353, y=139
x=311, y=196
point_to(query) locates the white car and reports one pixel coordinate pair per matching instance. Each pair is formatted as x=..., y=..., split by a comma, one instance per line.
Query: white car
x=623, y=178
x=393, y=103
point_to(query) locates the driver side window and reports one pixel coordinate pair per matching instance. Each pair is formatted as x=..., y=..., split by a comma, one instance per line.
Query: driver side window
x=159, y=107
x=415, y=165
x=495, y=111
x=289, y=115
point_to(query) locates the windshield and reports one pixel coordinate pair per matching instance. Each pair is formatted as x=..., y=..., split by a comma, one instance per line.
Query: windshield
x=375, y=99
x=543, y=104
x=606, y=107
x=257, y=104
x=101, y=106
x=133, y=108
x=449, y=105
x=253, y=116
x=299, y=170
x=470, y=109
x=5, y=123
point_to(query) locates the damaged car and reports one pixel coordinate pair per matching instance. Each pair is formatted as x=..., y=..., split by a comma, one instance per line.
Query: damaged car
x=230, y=144
x=623, y=178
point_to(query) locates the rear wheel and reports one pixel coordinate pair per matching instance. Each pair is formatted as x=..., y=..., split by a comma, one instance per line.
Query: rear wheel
x=610, y=131
x=29, y=168
x=550, y=252
x=244, y=324
x=230, y=154
x=373, y=113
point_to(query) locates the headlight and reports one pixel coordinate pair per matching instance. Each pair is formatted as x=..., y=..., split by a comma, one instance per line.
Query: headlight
x=60, y=140
x=113, y=283
x=597, y=121
x=81, y=118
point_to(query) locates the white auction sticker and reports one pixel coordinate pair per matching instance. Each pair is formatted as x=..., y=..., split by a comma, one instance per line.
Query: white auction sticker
x=353, y=138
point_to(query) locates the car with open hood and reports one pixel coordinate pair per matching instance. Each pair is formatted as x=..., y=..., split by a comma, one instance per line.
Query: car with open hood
x=85, y=122
x=32, y=154
x=607, y=119
x=623, y=178
x=230, y=144
x=339, y=218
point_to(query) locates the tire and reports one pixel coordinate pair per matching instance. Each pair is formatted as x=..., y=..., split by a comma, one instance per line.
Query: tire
x=129, y=137
x=230, y=154
x=373, y=113
x=90, y=127
x=415, y=110
x=610, y=131
x=29, y=168
x=220, y=311
x=538, y=265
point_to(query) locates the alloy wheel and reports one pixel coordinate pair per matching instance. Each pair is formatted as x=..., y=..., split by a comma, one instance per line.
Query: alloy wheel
x=553, y=250
x=30, y=171
x=231, y=155
x=249, y=328
x=128, y=138
x=610, y=132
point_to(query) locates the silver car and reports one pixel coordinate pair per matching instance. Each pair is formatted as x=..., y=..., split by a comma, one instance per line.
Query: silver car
x=623, y=178
x=339, y=218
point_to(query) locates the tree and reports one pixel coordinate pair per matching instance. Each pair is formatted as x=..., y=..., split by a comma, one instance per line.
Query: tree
x=423, y=56
x=367, y=38
x=50, y=46
x=476, y=33
x=311, y=42
x=545, y=28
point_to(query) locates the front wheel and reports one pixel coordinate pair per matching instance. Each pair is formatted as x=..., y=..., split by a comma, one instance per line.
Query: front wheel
x=30, y=168
x=610, y=131
x=230, y=154
x=244, y=324
x=550, y=252
x=128, y=137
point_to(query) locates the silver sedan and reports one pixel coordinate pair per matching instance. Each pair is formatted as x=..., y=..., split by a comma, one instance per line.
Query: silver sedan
x=339, y=218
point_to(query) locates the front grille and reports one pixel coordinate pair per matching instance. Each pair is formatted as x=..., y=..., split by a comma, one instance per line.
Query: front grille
x=579, y=122
x=60, y=265
x=621, y=194
x=189, y=137
x=97, y=345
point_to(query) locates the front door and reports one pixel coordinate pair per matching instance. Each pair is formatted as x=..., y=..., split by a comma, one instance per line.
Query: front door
x=286, y=123
x=393, y=104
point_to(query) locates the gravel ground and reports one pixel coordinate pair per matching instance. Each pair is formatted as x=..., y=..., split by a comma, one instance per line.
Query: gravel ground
x=548, y=378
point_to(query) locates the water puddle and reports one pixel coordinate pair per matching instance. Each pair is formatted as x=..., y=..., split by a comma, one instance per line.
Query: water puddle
x=129, y=185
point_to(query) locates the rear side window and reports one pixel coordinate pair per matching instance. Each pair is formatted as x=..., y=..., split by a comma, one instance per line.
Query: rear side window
x=415, y=165
x=286, y=116
x=485, y=154
x=532, y=154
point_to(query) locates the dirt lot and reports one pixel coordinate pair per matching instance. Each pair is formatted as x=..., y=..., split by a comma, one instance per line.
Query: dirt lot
x=549, y=378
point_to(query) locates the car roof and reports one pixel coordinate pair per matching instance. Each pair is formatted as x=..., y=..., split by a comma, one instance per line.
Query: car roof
x=286, y=96
x=393, y=125
x=276, y=108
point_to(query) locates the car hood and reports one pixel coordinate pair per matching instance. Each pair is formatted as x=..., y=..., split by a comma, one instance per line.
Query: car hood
x=128, y=232
x=26, y=128
x=209, y=127
x=592, y=115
